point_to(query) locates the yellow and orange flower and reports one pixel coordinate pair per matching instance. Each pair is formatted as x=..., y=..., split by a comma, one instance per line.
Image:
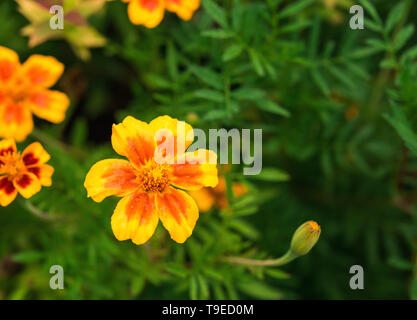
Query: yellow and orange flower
x=206, y=198
x=22, y=173
x=150, y=190
x=151, y=12
x=24, y=90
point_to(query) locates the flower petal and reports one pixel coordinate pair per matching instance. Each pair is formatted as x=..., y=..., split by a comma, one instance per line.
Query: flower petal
x=111, y=177
x=42, y=71
x=133, y=139
x=49, y=105
x=135, y=218
x=7, y=191
x=44, y=173
x=194, y=170
x=146, y=12
x=7, y=145
x=178, y=213
x=183, y=8
x=35, y=155
x=15, y=121
x=165, y=126
x=27, y=184
x=9, y=63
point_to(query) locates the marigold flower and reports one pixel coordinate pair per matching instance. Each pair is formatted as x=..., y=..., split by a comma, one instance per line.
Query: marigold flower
x=150, y=189
x=24, y=90
x=151, y=12
x=25, y=173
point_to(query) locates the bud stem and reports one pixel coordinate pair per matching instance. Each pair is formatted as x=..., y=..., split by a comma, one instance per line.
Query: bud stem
x=286, y=258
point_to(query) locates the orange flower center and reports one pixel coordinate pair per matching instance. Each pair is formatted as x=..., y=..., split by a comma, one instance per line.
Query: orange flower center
x=153, y=177
x=11, y=164
x=18, y=90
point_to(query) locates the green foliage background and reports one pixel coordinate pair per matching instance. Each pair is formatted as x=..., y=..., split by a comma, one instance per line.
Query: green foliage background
x=288, y=67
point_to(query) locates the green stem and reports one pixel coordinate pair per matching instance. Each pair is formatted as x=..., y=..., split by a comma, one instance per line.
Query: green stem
x=39, y=213
x=48, y=140
x=384, y=75
x=286, y=258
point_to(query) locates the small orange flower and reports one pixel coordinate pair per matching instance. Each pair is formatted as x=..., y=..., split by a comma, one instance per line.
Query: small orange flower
x=151, y=12
x=24, y=90
x=206, y=198
x=25, y=173
x=150, y=189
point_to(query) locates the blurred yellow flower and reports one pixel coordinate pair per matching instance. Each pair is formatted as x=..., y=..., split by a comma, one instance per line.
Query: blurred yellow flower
x=147, y=187
x=22, y=173
x=351, y=113
x=151, y=12
x=206, y=198
x=24, y=90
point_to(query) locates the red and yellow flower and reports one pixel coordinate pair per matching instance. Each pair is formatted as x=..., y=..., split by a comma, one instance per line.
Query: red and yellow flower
x=151, y=12
x=22, y=173
x=151, y=191
x=24, y=91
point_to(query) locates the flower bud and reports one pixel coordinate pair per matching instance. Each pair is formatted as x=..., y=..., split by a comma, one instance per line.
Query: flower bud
x=304, y=238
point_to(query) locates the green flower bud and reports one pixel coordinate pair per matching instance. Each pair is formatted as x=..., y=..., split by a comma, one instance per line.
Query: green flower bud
x=304, y=238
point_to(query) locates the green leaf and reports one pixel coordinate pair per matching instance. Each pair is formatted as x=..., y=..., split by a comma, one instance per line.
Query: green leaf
x=371, y=10
x=294, y=8
x=271, y=174
x=394, y=16
x=172, y=61
x=247, y=93
x=320, y=82
x=216, y=12
x=277, y=274
x=215, y=115
x=157, y=81
x=376, y=43
x=28, y=256
x=293, y=27
x=256, y=62
x=401, y=125
x=232, y=52
x=388, y=64
x=208, y=76
x=176, y=270
x=244, y=228
x=270, y=106
x=217, y=34
x=258, y=290
x=400, y=264
x=403, y=36
x=209, y=94
x=203, y=286
x=193, y=286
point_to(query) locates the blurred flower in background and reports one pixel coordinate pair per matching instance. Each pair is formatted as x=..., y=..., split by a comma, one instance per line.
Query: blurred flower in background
x=22, y=173
x=151, y=12
x=335, y=10
x=80, y=35
x=24, y=90
x=208, y=198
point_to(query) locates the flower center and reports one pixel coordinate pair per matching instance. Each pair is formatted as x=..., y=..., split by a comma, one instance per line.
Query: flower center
x=18, y=90
x=153, y=177
x=11, y=164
